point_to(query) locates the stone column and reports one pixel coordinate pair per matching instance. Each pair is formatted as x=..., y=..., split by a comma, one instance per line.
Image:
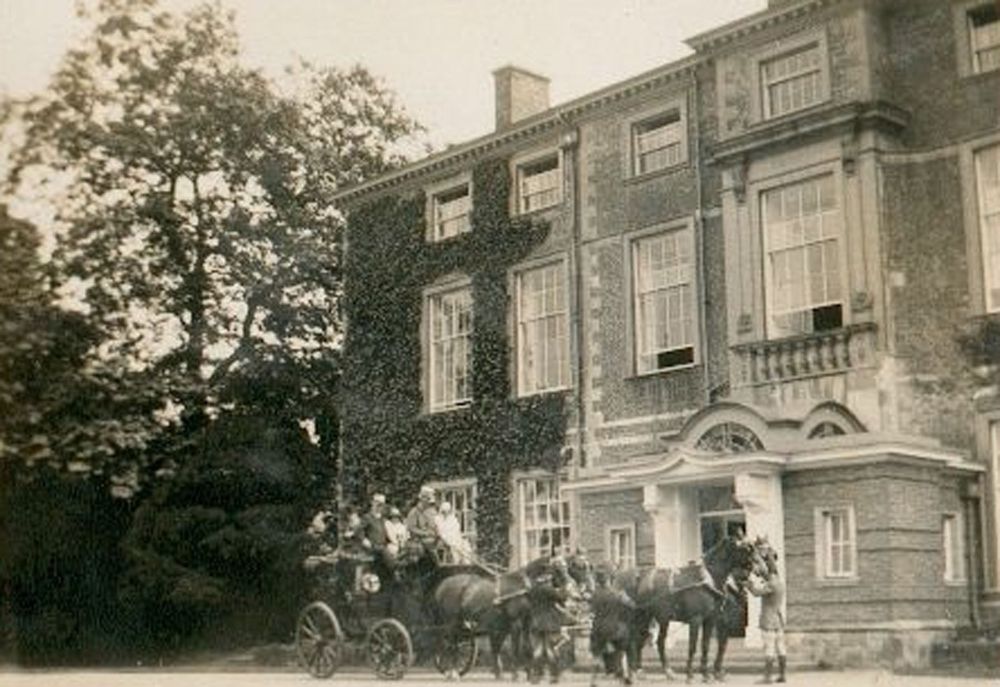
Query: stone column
x=674, y=513
x=760, y=497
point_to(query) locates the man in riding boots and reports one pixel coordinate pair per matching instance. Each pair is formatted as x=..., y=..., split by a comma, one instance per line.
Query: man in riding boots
x=548, y=594
x=771, y=591
x=613, y=611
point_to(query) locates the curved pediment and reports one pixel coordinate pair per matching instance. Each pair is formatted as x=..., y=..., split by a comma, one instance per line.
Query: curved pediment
x=682, y=464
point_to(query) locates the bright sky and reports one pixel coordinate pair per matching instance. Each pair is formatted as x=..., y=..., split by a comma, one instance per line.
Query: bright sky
x=438, y=55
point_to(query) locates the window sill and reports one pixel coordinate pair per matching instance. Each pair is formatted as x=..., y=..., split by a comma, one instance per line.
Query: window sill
x=976, y=76
x=548, y=209
x=838, y=581
x=449, y=409
x=544, y=392
x=667, y=371
x=448, y=239
x=956, y=583
x=792, y=114
x=647, y=176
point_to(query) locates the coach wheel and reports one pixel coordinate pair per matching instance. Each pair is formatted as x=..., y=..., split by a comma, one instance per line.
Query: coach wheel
x=390, y=650
x=318, y=639
x=457, y=653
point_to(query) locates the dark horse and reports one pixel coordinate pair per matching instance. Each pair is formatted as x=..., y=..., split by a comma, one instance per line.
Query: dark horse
x=500, y=606
x=702, y=596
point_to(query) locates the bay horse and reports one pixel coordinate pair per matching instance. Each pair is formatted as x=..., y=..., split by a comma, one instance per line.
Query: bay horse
x=700, y=595
x=500, y=605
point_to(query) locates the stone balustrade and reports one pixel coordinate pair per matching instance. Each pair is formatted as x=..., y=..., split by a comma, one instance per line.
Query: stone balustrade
x=809, y=355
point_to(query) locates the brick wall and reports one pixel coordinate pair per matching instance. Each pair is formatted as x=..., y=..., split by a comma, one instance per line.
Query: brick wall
x=900, y=566
x=928, y=265
x=600, y=511
x=921, y=48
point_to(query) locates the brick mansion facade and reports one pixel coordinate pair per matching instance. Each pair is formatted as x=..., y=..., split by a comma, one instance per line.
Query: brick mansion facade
x=738, y=280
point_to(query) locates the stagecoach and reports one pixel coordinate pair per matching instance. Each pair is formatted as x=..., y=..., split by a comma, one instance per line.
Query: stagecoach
x=386, y=615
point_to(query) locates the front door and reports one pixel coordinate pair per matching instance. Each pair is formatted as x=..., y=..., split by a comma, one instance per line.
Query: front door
x=716, y=523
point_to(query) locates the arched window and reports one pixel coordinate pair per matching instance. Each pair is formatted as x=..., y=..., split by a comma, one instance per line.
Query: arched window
x=729, y=437
x=826, y=429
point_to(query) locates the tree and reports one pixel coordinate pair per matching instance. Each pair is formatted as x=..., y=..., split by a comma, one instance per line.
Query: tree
x=198, y=246
x=198, y=212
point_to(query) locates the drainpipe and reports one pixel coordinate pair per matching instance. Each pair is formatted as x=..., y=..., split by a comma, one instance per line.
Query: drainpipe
x=694, y=114
x=571, y=148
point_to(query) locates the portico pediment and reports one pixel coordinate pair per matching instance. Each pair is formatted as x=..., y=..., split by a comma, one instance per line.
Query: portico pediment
x=686, y=465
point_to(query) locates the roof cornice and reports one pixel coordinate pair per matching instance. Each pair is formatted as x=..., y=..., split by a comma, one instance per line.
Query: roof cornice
x=530, y=127
x=735, y=30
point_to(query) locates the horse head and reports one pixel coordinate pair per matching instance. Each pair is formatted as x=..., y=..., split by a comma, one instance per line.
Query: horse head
x=732, y=556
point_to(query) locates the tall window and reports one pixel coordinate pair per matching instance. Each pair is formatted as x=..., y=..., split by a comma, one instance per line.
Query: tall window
x=451, y=212
x=450, y=349
x=663, y=269
x=837, y=543
x=461, y=494
x=802, y=228
x=953, y=529
x=984, y=28
x=542, y=329
x=621, y=546
x=657, y=143
x=545, y=518
x=988, y=174
x=539, y=184
x=792, y=82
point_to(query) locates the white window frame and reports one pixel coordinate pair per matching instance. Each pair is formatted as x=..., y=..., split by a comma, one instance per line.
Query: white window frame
x=813, y=72
x=826, y=557
x=988, y=208
x=623, y=558
x=452, y=217
x=687, y=277
x=463, y=495
x=953, y=542
x=529, y=524
x=528, y=382
x=555, y=175
x=668, y=124
x=835, y=216
x=975, y=49
x=461, y=396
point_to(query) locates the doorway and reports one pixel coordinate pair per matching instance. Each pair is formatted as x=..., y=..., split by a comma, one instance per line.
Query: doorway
x=719, y=516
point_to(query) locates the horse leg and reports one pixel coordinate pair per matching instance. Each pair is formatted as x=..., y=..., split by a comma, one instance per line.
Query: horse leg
x=707, y=629
x=625, y=663
x=661, y=648
x=722, y=636
x=693, y=626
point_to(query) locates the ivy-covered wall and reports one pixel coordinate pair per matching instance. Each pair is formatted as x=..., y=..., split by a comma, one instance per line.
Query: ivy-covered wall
x=390, y=444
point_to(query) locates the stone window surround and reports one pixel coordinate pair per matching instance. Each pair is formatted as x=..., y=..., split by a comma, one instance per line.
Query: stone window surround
x=971, y=213
x=447, y=284
x=674, y=104
x=438, y=188
x=631, y=341
x=516, y=533
x=987, y=425
x=527, y=158
x=513, y=282
x=777, y=49
x=950, y=575
x=629, y=527
x=963, y=37
x=755, y=194
x=822, y=545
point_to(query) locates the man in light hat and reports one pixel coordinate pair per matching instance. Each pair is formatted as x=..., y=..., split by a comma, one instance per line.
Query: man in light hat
x=421, y=521
x=373, y=525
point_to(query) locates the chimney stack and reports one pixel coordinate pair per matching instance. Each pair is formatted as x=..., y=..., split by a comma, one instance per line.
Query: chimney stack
x=519, y=94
